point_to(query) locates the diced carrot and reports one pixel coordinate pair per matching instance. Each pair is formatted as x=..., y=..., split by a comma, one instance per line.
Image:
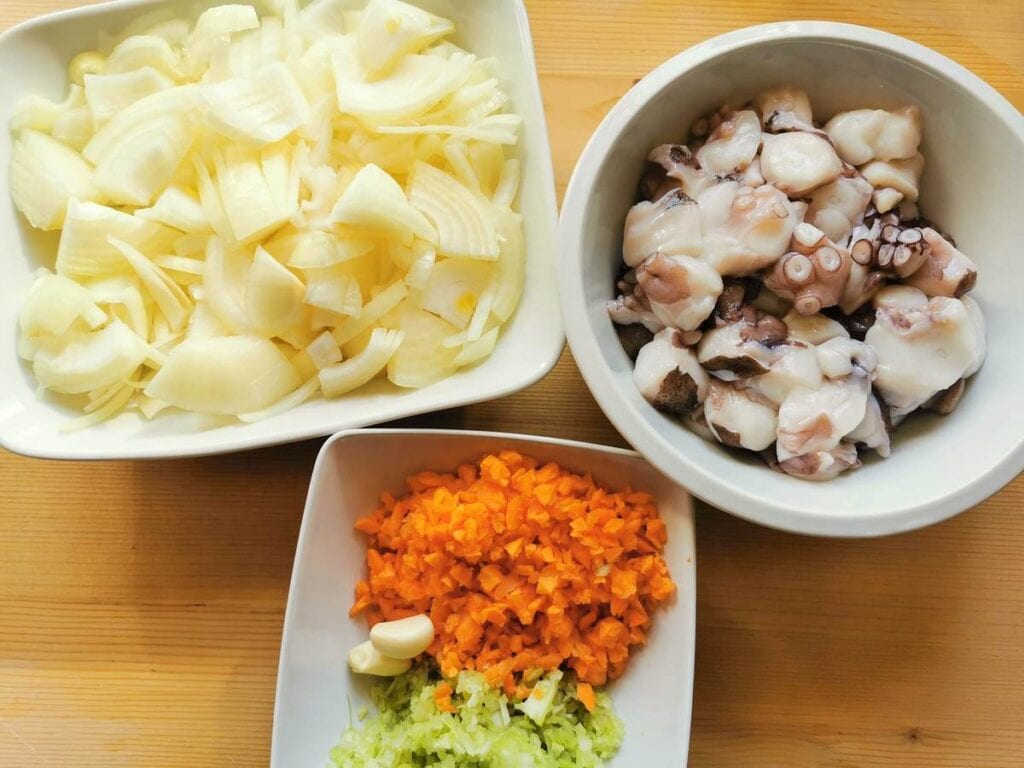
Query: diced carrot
x=443, y=698
x=585, y=694
x=521, y=567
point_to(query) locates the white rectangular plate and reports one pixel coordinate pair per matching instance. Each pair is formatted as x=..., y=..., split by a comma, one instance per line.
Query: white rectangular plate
x=39, y=51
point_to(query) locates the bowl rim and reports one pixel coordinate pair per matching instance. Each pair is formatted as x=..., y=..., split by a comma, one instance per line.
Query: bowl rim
x=543, y=356
x=687, y=581
x=598, y=374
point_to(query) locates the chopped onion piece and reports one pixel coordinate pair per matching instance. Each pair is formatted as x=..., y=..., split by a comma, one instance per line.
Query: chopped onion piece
x=454, y=288
x=140, y=51
x=285, y=404
x=54, y=303
x=317, y=250
x=261, y=106
x=45, y=175
x=389, y=29
x=224, y=376
x=373, y=311
x=85, y=250
x=511, y=270
x=324, y=351
x=225, y=277
x=415, y=84
x=424, y=258
x=123, y=292
x=480, y=349
x=177, y=208
x=508, y=184
x=169, y=297
x=80, y=362
x=422, y=359
x=113, y=406
x=358, y=370
x=375, y=201
x=463, y=218
x=336, y=293
x=273, y=296
x=108, y=94
x=138, y=151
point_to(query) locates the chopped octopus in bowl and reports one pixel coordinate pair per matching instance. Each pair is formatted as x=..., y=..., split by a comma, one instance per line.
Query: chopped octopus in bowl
x=781, y=293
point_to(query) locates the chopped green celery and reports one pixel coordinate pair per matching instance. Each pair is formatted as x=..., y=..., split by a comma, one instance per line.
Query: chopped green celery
x=484, y=732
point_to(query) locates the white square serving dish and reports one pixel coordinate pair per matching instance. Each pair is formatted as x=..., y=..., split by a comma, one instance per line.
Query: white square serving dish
x=315, y=691
x=39, y=51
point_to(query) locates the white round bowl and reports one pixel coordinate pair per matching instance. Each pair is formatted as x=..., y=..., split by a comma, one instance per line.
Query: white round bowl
x=974, y=146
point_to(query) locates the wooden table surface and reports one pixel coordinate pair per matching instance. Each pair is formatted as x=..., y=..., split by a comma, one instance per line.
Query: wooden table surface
x=141, y=603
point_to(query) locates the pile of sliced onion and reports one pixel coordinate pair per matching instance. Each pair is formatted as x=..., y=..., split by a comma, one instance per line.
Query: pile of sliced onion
x=253, y=210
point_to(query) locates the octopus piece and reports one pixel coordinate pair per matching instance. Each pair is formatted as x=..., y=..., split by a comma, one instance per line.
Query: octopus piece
x=908, y=211
x=904, y=176
x=863, y=135
x=707, y=124
x=875, y=430
x=813, y=274
x=923, y=346
x=738, y=418
x=733, y=301
x=696, y=423
x=813, y=329
x=799, y=162
x=631, y=307
x=947, y=400
x=889, y=246
x=794, y=365
x=733, y=144
x=821, y=465
x=745, y=230
x=862, y=284
x=901, y=297
x=841, y=357
x=668, y=375
x=743, y=347
x=633, y=338
x=655, y=183
x=751, y=175
x=978, y=326
x=836, y=207
x=784, y=99
x=670, y=226
x=886, y=198
x=680, y=290
x=771, y=303
x=679, y=167
x=812, y=420
x=946, y=271
x=787, y=122
x=734, y=306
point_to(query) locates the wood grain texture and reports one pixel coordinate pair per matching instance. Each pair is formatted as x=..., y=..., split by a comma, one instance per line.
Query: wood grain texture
x=141, y=604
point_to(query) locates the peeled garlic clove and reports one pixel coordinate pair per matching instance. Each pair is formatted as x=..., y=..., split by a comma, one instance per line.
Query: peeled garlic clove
x=404, y=638
x=364, y=659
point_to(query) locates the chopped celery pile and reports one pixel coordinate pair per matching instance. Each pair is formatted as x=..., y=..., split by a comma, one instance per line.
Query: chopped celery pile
x=486, y=730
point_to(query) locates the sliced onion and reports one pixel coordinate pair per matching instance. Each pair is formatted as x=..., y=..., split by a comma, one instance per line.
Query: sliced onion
x=224, y=376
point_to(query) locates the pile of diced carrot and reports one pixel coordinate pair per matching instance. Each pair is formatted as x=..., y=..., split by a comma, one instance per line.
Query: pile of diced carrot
x=521, y=567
